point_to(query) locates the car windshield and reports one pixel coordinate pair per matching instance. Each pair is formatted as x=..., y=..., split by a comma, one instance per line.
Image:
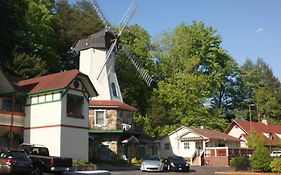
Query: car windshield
x=151, y=158
x=18, y=154
x=177, y=159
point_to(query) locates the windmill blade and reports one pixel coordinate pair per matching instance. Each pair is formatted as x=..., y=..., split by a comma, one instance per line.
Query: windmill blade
x=127, y=16
x=100, y=14
x=142, y=72
x=108, y=54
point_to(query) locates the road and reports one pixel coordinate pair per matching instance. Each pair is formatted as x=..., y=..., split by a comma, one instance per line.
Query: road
x=194, y=170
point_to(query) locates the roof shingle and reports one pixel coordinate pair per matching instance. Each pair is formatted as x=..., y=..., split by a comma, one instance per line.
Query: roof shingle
x=111, y=104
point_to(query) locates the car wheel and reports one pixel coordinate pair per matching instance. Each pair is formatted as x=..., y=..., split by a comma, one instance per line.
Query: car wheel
x=36, y=171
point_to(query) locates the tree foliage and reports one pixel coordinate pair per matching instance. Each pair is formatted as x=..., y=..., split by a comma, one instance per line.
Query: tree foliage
x=262, y=89
x=73, y=22
x=133, y=88
x=12, y=14
x=199, y=83
x=260, y=159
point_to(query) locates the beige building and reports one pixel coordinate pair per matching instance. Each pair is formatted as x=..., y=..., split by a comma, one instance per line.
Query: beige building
x=199, y=146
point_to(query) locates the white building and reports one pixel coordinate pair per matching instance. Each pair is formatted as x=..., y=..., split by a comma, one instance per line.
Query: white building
x=56, y=112
x=194, y=144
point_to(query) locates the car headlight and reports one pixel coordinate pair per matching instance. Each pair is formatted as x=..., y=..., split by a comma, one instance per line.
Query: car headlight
x=173, y=165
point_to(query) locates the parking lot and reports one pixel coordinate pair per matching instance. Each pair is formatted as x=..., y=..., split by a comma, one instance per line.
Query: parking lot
x=194, y=170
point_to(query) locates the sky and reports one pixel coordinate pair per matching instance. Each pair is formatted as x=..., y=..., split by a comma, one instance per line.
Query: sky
x=248, y=28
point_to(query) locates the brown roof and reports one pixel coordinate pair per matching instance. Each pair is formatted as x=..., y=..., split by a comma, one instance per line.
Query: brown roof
x=52, y=82
x=260, y=128
x=213, y=134
x=111, y=104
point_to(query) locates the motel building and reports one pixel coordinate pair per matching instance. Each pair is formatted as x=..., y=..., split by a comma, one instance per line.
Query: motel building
x=51, y=110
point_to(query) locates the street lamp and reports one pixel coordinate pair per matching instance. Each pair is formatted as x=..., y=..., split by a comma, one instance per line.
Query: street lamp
x=251, y=127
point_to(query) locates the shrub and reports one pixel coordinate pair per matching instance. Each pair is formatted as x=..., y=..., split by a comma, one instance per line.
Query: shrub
x=240, y=163
x=260, y=159
x=135, y=161
x=79, y=162
x=275, y=165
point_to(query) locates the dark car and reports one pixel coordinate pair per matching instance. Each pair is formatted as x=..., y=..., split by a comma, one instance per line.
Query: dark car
x=14, y=161
x=176, y=163
x=42, y=162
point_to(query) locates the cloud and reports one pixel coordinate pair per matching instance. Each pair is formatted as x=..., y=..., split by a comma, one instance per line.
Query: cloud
x=259, y=30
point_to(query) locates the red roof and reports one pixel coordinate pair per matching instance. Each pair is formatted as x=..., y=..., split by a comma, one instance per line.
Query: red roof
x=260, y=128
x=47, y=82
x=213, y=134
x=111, y=104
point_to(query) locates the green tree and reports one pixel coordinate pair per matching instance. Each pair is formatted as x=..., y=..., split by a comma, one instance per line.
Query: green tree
x=29, y=66
x=198, y=82
x=37, y=37
x=73, y=22
x=262, y=89
x=260, y=159
x=12, y=14
x=133, y=88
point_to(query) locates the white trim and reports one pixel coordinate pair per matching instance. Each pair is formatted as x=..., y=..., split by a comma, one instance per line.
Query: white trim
x=104, y=118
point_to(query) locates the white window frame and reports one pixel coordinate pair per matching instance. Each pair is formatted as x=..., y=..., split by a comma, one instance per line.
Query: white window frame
x=104, y=118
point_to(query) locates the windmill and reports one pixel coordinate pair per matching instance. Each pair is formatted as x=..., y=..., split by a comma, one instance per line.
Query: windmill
x=98, y=53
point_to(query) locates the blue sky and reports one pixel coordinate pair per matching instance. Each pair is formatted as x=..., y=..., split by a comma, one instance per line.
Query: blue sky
x=248, y=28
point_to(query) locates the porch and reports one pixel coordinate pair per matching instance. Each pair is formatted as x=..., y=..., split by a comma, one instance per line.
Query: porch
x=219, y=156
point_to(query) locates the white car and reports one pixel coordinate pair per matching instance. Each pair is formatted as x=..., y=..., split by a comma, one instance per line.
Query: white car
x=152, y=163
x=275, y=154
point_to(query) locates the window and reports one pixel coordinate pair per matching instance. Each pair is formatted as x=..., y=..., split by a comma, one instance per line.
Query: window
x=7, y=105
x=114, y=90
x=100, y=118
x=74, y=106
x=167, y=145
x=186, y=145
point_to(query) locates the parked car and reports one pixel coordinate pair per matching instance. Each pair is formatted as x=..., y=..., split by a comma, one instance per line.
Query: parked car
x=176, y=163
x=14, y=161
x=152, y=163
x=44, y=163
x=275, y=154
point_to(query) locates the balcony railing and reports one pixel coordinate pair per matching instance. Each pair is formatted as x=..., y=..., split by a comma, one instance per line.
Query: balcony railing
x=6, y=118
x=226, y=152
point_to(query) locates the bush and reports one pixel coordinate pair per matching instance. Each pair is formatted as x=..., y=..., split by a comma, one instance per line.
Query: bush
x=79, y=162
x=240, y=163
x=135, y=161
x=260, y=160
x=275, y=165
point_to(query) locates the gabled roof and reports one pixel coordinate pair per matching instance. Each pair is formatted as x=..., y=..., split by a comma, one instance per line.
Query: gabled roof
x=204, y=134
x=53, y=82
x=213, y=134
x=260, y=128
x=109, y=104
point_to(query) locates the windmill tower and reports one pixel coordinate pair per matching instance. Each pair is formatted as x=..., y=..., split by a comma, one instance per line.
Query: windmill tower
x=98, y=53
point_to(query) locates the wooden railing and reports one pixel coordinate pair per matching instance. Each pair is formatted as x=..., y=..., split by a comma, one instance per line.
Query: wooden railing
x=6, y=118
x=226, y=152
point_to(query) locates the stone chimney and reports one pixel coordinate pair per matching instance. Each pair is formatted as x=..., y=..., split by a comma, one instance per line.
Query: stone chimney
x=264, y=120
